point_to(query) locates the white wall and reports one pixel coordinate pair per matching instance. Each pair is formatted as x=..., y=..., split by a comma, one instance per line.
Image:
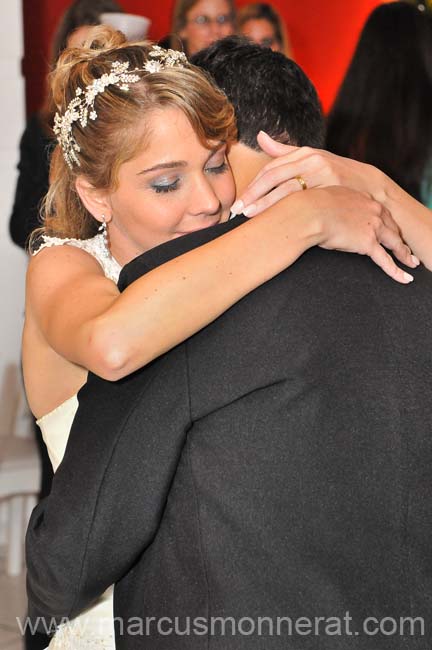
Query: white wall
x=12, y=118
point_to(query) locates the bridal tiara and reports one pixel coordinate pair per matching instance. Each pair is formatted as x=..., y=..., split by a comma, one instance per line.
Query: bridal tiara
x=82, y=109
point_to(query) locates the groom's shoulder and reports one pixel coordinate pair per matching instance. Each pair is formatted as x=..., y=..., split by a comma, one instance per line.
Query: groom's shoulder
x=172, y=249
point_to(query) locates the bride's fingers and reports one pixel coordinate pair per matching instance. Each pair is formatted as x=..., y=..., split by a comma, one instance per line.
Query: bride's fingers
x=280, y=171
x=394, y=242
x=270, y=188
x=273, y=147
x=388, y=220
x=258, y=205
x=385, y=261
x=299, y=158
x=389, y=235
x=313, y=165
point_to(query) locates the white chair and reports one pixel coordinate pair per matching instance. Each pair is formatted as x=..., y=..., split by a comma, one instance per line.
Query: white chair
x=19, y=467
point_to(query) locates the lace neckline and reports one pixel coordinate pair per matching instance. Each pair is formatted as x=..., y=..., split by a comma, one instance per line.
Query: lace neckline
x=95, y=246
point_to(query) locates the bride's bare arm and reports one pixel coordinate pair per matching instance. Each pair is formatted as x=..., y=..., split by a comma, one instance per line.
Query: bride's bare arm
x=86, y=320
x=320, y=168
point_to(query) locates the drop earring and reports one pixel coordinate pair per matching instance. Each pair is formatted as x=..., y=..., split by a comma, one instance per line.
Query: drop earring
x=103, y=229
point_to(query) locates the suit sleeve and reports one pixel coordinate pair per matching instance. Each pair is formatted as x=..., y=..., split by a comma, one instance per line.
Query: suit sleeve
x=110, y=490
x=174, y=248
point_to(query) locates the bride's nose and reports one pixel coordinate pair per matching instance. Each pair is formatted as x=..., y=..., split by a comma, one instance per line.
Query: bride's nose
x=204, y=200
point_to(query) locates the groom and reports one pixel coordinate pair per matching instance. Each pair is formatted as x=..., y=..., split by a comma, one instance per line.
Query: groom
x=266, y=484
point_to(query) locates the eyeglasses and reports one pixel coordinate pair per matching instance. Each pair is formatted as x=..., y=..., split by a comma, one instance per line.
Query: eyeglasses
x=206, y=21
x=267, y=42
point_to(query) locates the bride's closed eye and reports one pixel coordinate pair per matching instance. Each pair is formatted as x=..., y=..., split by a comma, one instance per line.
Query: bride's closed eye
x=217, y=163
x=220, y=169
x=165, y=186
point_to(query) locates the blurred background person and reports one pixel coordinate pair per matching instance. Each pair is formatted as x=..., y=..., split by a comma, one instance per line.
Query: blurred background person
x=382, y=114
x=76, y=22
x=261, y=23
x=37, y=139
x=197, y=24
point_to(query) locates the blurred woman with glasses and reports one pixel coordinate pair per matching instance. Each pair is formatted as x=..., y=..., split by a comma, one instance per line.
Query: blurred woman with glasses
x=199, y=23
x=262, y=24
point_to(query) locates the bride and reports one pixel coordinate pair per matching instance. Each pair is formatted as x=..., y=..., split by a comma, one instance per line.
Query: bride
x=142, y=158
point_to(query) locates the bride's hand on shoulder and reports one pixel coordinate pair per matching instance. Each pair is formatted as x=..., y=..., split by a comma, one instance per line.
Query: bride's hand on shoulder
x=356, y=220
x=296, y=168
x=353, y=222
x=319, y=168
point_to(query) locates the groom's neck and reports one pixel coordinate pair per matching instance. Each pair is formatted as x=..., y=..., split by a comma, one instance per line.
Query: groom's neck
x=245, y=164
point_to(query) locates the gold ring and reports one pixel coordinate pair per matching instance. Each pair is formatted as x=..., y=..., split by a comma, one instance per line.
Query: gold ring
x=302, y=182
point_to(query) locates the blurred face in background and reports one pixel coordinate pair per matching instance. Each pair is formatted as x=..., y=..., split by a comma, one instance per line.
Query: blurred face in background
x=206, y=22
x=261, y=31
x=79, y=36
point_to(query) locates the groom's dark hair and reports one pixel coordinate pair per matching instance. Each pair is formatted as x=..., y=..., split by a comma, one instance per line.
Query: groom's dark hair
x=268, y=92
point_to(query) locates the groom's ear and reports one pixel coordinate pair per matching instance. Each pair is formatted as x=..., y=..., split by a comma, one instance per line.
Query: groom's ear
x=94, y=200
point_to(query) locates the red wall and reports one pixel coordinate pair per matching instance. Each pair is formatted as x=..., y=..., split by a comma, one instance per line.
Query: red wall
x=323, y=35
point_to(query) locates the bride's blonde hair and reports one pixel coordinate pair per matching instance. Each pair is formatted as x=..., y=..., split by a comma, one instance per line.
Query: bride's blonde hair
x=110, y=140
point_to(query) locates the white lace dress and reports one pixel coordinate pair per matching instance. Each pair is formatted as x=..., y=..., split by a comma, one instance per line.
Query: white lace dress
x=94, y=628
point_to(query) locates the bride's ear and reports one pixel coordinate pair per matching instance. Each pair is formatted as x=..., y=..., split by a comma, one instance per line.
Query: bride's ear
x=95, y=201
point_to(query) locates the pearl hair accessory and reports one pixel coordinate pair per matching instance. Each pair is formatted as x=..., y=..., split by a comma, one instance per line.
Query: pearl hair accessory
x=82, y=108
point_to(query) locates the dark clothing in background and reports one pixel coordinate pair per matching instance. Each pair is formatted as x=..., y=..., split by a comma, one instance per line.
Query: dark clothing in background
x=32, y=184
x=276, y=464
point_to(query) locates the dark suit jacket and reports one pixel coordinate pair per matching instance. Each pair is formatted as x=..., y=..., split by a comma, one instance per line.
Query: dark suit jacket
x=276, y=464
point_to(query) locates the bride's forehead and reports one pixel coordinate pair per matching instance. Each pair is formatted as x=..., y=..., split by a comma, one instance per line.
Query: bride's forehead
x=168, y=132
x=168, y=121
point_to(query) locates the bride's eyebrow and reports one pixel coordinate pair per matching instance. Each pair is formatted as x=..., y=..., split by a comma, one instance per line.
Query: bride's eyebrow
x=172, y=164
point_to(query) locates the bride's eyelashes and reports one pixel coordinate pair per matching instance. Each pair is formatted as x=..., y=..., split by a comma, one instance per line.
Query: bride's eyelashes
x=220, y=169
x=165, y=186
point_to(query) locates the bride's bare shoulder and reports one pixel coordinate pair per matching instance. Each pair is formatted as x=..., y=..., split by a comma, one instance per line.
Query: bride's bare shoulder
x=61, y=273
x=59, y=260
